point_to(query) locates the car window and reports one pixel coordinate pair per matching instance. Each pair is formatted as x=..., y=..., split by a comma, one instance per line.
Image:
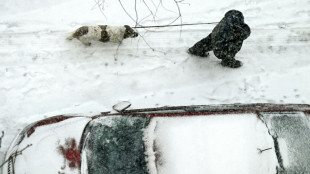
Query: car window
x=115, y=145
x=291, y=132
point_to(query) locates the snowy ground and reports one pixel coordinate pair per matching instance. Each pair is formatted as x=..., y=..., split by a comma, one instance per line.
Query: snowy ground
x=42, y=74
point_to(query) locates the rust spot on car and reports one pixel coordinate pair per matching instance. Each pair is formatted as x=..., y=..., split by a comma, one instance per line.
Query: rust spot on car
x=71, y=152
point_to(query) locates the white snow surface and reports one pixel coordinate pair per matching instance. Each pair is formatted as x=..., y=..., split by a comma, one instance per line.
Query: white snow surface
x=42, y=74
x=210, y=144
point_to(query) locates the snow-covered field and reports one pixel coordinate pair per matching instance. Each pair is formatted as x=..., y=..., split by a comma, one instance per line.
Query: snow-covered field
x=42, y=74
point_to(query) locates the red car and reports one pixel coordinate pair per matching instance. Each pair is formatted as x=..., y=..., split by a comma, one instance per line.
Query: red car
x=213, y=139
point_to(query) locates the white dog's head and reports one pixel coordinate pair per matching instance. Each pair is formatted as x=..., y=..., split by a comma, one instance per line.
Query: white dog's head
x=130, y=32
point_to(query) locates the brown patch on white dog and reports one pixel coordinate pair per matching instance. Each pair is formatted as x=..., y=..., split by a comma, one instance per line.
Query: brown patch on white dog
x=103, y=33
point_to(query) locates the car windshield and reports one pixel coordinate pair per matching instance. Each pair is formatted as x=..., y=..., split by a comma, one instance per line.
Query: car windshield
x=222, y=143
x=114, y=145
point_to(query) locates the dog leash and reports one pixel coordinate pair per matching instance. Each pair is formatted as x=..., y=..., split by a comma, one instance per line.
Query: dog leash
x=176, y=25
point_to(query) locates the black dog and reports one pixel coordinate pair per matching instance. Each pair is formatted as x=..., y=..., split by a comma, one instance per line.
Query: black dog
x=225, y=40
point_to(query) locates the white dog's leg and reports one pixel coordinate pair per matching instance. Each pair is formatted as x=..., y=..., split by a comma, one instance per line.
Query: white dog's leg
x=84, y=41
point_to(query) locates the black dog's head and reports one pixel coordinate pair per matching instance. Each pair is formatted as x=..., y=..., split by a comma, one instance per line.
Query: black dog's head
x=129, y=32
x=234, y=16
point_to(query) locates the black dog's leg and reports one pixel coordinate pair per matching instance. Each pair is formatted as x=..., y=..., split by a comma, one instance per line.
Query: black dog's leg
x=231, y=63
x=227, y=54
x=202, y=47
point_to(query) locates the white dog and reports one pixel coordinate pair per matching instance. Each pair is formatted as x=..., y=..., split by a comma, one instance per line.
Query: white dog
x=103, y=33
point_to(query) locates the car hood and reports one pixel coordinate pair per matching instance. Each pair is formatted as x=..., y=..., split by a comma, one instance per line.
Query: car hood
x=55, y=142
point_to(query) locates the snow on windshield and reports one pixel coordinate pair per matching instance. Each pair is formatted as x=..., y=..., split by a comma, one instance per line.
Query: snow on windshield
x=114, y=145
x=210, y=144
x=292, y=132
x=224, y=143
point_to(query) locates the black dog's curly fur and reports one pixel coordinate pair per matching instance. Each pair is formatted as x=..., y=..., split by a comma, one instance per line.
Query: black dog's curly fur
x=225, y=40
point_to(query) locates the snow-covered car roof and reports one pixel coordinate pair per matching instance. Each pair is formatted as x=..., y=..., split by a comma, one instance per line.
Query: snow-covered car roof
x=236, y=138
